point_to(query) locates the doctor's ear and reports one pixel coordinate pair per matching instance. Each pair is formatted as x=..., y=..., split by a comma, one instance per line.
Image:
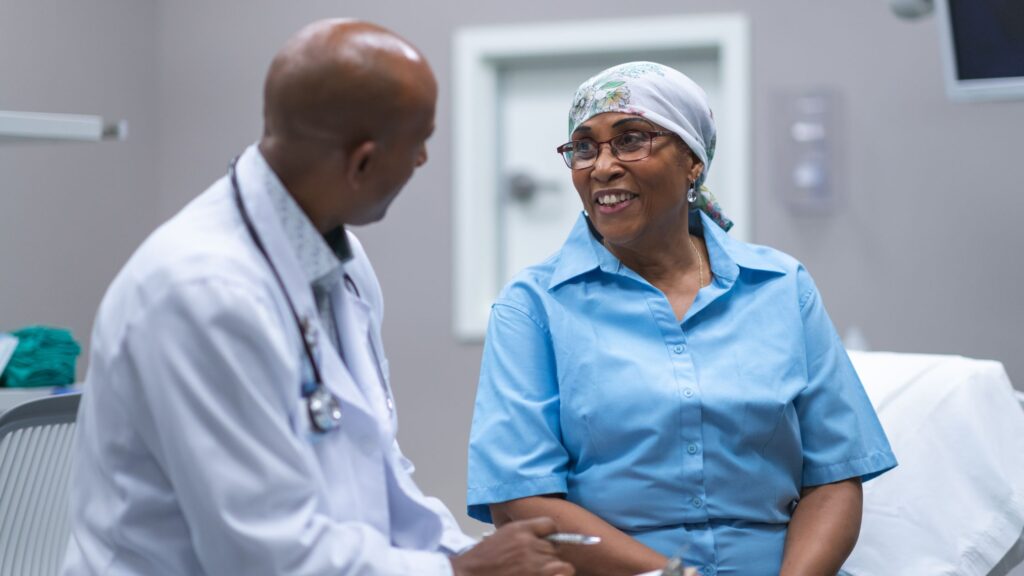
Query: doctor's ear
x=359, y=161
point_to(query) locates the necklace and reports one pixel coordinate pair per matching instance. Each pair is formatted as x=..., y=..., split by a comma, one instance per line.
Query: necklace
x=700, y=263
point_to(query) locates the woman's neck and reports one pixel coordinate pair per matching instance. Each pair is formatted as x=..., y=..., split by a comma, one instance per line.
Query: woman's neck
x=664, y=259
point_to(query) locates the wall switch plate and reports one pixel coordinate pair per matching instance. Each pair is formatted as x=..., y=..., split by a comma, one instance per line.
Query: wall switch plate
x=807, y=150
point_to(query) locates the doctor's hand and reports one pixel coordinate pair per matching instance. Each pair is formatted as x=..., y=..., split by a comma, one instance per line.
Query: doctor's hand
x=515, y=549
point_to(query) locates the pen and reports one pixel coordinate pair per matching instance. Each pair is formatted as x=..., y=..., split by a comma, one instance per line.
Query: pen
x=569, y=538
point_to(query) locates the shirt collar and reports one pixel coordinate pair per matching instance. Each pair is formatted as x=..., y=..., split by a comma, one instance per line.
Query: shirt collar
x=319, y=256
x=728, y=254
x=583, y=252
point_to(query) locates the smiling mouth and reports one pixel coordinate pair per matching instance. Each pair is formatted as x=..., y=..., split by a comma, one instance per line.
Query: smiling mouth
x=614, y=199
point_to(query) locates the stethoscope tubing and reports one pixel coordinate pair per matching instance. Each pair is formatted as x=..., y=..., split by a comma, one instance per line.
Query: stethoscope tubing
x=319, y=393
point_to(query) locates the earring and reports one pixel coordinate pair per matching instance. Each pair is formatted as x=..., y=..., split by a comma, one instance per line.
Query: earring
x=691, y=194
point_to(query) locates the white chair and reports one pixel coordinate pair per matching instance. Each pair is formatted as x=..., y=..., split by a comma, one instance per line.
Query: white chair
x=35, y=463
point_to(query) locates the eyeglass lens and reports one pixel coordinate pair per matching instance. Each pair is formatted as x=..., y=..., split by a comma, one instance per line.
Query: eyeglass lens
x=627, y=146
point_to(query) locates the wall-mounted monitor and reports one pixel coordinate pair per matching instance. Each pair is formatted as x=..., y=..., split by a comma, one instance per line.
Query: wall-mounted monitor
x=983, y=48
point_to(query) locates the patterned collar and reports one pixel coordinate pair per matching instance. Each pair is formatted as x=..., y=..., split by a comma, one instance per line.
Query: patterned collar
x=320, y=256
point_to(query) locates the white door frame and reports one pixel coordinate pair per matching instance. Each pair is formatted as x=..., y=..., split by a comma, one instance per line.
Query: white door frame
x=478, y=54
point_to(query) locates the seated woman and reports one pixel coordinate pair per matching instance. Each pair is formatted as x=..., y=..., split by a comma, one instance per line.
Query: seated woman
x=660, y=384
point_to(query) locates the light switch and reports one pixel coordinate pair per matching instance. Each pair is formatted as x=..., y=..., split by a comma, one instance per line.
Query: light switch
x=807, y=147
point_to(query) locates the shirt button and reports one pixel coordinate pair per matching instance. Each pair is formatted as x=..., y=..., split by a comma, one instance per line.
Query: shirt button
x=391, y=404
x=692, y=448
x=687, y=392
x=709, y=571
x=678, y=348
x=697, y=502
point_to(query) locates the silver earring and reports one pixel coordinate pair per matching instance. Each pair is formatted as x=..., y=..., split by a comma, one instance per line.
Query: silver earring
x=691, y=194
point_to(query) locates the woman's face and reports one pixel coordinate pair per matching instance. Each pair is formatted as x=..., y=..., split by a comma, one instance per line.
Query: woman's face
x=640, y=203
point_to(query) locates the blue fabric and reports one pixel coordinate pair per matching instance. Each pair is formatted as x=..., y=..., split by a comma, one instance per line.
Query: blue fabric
x=697, y=434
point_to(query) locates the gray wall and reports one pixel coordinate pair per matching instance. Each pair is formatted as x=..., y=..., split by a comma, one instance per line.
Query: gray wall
x=923, y=256
x=70, y=214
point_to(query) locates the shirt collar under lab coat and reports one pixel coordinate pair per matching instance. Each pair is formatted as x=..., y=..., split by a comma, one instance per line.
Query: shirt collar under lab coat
x=319, y=256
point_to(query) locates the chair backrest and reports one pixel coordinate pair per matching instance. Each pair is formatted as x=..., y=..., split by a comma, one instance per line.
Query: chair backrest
x=35, y=463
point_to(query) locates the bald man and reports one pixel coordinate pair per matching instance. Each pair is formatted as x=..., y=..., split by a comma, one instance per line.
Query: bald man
x=237, y=415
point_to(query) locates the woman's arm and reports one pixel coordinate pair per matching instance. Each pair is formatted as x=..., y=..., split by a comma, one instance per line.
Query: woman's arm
x=823, y=530
x=616, y=555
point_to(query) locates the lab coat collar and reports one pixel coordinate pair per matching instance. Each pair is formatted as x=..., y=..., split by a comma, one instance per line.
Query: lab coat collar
x=250, y=172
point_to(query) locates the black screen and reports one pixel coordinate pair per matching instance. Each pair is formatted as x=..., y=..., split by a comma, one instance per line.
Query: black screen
x=988, y=38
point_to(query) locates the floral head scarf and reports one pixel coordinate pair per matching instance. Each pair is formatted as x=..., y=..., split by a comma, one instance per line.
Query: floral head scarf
x=664, y=96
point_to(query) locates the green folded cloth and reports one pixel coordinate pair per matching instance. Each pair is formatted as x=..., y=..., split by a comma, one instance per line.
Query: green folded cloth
x=44, y=357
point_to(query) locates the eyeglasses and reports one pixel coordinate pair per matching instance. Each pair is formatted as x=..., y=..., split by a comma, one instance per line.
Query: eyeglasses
x=628, y=146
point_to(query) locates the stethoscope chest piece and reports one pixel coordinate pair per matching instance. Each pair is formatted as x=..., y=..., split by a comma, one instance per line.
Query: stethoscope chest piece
x=324, y=410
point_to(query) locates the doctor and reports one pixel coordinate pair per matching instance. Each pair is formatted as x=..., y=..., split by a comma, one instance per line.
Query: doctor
x=237, y=415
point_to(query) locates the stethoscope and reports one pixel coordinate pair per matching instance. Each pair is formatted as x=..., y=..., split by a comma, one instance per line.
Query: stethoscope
x=323, y=407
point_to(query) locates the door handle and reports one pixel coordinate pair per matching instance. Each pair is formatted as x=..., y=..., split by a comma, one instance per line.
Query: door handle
x=522, y=187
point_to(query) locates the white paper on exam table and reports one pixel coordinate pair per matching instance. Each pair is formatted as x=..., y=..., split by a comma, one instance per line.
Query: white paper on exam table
x=956, y=428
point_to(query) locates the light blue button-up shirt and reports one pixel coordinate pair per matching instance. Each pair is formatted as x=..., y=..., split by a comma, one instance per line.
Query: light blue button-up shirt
x=696, y=434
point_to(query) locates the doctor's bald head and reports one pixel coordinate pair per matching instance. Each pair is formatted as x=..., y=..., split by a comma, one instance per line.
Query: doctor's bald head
x=348, y=107
x=343, y=80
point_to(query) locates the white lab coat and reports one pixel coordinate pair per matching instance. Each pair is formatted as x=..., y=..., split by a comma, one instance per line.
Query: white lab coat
x=194, y=453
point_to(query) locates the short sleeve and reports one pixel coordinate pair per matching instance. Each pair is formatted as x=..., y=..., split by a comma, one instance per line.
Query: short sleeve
x=515, y=447
x=839, y=430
